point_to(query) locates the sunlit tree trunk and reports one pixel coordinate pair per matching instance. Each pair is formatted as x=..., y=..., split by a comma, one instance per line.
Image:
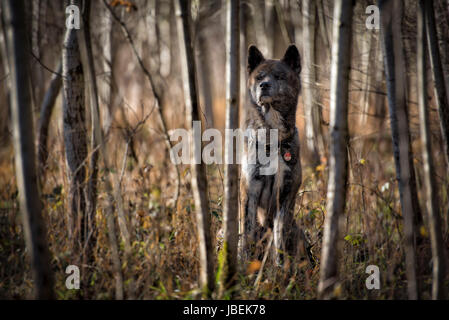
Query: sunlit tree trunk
x=314, y=140
x=259, y=26
x=105, y=84
x=204, y=55
x=432, y=201
x=390, y=16
x=25, y=157
x=338, y=165
x=198, y=170
x=231, y=186
x=368, y=56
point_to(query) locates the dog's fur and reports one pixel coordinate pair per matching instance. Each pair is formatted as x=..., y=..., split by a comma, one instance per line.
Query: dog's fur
x=267, y=201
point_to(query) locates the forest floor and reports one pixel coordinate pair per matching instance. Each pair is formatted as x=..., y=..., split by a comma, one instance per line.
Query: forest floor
x=163, y=263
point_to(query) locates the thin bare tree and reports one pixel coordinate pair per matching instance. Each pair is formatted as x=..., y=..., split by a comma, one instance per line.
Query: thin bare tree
x=432, y=201
x=207, y=11
x=25, y=157
x=338, y=165
x=395, y=70
x=313, y=118
x=231, y=186
x=198, y=170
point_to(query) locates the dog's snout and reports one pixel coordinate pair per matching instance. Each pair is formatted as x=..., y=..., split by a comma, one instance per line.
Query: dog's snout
x=265, y=85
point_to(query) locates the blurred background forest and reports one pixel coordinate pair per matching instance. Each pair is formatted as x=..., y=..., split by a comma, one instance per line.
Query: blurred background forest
x=145, y=242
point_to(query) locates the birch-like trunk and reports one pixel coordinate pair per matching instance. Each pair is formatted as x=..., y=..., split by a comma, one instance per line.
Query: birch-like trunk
x=24, y=153
x=390, y=19
x=437, y=73
x=198, y=170
x=338, y=165
x=231, y=186
x=432, y=201
x=75, y=134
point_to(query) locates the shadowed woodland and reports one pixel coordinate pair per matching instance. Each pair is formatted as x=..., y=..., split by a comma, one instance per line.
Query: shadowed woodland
x=86, y=116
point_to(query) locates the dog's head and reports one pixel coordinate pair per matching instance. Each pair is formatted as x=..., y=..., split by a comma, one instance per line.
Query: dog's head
x=274, y=81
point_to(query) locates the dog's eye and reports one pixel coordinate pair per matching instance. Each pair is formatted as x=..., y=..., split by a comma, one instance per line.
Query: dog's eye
x=260, y=76
x=279, y=76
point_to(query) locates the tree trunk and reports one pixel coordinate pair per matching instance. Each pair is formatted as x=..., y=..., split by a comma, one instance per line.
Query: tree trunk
x=259, y=26
x=204, y=68
x=379, y=104
x=230, y=207
x=112, y=237
x=369, y=72
x=442, y=24
x=105, y=85
x=438, y=76
x=314, y=141
x=25, y=157
x=323, y=25
x=390, y=16
x=37, y=76
x=74, y=132
x=338, y=166
x=432, y=201
x=198, y=170
x=88, y=64
x=6, y=117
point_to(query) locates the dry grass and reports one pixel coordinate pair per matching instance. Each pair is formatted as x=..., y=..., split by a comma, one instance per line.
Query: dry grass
x=164, y=259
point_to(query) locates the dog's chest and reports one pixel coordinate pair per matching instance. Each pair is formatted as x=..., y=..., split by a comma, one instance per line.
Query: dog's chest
x=286, y=158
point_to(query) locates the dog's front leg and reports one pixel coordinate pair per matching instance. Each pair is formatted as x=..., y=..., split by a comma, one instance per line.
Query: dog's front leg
x=285, y=230
x=250, y=191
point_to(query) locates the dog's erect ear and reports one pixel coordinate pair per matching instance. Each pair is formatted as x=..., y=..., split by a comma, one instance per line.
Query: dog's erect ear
x=255, y=57
x=292, y=58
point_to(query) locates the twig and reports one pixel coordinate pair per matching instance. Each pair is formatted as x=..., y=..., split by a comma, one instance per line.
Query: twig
x=45, y=67
x=264, y=260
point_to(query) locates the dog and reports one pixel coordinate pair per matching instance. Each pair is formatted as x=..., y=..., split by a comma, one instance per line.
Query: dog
x=268, y=200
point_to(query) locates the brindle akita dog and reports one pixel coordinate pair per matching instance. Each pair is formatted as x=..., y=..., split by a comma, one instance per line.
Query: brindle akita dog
x=267, y=201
